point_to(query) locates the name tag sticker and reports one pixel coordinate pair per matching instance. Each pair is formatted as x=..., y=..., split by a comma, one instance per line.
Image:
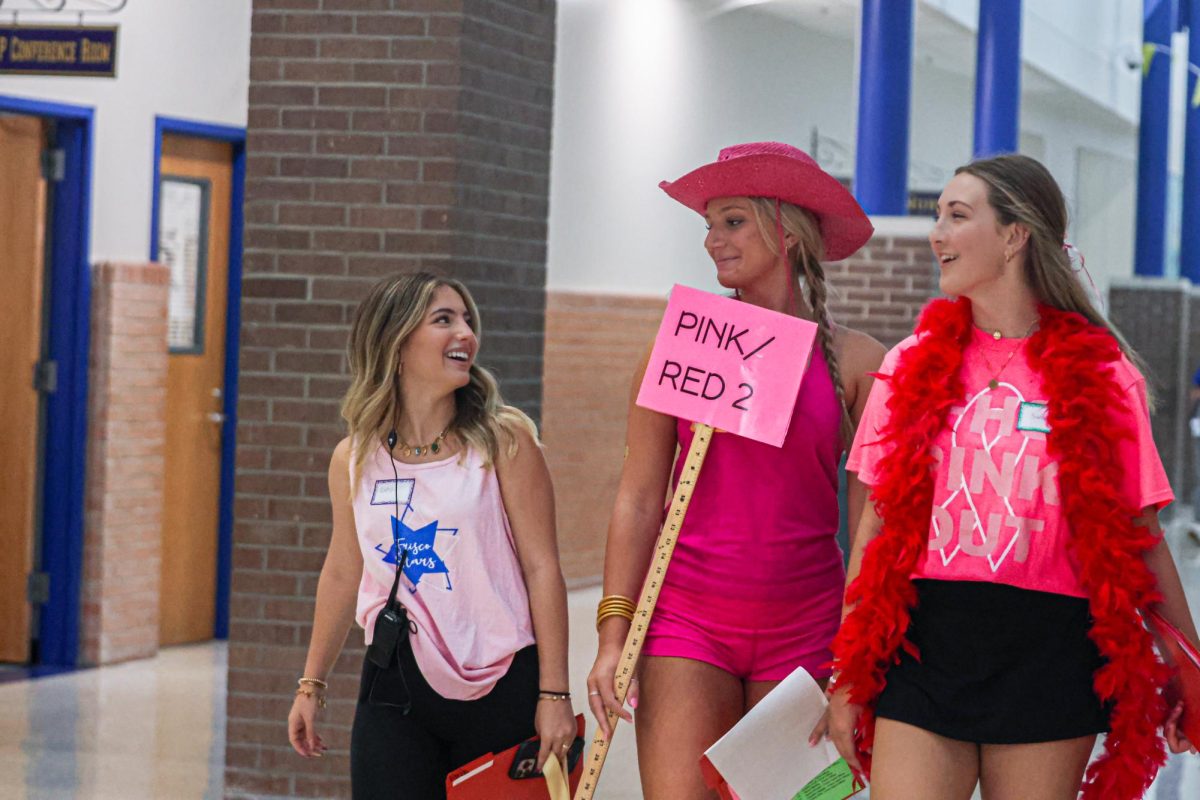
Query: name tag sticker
x=1032, y=417
x=391, y=492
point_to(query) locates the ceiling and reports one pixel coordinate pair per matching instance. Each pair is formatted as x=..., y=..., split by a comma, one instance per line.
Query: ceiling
x=940, y=41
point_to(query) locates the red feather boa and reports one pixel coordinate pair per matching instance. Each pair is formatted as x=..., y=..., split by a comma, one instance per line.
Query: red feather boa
x=1074, y=359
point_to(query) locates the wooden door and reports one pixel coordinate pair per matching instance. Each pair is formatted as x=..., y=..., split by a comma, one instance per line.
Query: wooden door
x=22, y=248
x=194, y=211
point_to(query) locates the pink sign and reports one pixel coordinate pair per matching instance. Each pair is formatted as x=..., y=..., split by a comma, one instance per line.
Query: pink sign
x=732, y=365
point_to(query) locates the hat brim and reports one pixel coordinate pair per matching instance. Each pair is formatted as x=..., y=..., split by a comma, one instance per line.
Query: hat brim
x=844, y=226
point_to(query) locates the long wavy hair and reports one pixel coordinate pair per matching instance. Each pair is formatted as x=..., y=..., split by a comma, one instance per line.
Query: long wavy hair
x=1023, y=191
x=392, y=310
x=804, y=260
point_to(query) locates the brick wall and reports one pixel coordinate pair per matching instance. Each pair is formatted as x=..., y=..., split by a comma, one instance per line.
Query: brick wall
x=881, y=289
x=127, y=391
x=385, y=135
x=594, y=341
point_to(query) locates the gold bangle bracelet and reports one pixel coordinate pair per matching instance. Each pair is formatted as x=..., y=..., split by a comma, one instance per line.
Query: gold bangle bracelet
x=320, y=684
x=614, y=605
x=613, y=613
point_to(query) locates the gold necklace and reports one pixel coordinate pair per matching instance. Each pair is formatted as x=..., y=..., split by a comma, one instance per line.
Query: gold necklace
x=994, y=383
x=408, y=450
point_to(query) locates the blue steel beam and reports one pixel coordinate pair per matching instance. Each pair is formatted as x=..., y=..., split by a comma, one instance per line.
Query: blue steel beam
x=1150, y=246
x=885, y=86
x=1189, y=242
x=998, y=78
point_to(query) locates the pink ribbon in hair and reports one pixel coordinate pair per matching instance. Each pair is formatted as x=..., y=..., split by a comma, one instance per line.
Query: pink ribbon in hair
x=1074, y=254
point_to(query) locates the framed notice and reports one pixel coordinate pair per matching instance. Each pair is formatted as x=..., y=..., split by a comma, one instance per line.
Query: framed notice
x=183, y=214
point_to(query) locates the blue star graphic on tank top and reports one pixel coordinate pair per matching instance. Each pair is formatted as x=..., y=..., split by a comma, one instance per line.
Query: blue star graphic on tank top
x=422, y=558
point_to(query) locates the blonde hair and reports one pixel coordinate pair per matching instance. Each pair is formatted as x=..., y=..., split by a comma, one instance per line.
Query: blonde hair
x=805, y=262
x=392, y=310
x=1022, y=191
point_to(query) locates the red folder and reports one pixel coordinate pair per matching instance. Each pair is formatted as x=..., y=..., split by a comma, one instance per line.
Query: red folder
x=486, y=778
x=1184, y=659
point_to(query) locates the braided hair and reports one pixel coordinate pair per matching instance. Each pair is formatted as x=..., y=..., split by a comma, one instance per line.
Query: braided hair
x=804, y=259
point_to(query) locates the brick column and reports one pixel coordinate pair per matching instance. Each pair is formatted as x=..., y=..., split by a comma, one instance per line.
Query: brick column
x=127, y=391
x=384, y=136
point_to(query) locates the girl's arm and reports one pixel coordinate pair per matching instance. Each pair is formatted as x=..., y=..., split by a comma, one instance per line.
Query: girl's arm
x=860, y=357
x=840, y=718
x=1174, y=607
x=528, y=497
x=337, y=596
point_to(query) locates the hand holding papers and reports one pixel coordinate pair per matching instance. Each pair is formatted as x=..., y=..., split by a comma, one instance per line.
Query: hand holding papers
x=766, y=756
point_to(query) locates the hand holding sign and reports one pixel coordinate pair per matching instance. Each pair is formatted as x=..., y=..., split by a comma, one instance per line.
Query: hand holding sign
x=732, y=365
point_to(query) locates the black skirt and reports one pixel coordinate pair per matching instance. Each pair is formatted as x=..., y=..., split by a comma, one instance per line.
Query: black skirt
x=998, y=665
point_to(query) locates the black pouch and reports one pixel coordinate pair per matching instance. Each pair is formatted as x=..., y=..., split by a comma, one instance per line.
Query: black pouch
x=388, y=687
x=390, y=626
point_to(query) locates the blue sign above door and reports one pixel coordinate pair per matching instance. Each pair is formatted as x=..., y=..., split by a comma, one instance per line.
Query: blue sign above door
x=53, y=50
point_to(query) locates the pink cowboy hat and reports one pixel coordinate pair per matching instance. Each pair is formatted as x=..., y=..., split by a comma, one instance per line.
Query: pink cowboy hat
x=779, y=171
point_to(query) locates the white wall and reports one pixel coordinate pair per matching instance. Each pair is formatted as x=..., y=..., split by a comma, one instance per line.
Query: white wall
x=1083, y=44
x=650, y=89
x=178, y=58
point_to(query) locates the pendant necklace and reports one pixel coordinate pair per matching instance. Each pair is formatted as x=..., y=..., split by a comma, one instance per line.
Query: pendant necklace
x=994, y=383
x=433, y=447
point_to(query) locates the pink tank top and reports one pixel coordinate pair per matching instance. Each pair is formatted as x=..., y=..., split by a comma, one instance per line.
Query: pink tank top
x=763, y=520
x=462, y=584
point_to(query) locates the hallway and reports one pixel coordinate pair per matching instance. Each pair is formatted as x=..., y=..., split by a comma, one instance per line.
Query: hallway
x=155, y=728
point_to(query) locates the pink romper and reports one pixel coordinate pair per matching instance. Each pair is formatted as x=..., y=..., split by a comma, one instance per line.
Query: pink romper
x=755, y=584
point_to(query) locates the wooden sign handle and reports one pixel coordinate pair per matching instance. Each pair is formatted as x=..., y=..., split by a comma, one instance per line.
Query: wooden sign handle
x=663, y=551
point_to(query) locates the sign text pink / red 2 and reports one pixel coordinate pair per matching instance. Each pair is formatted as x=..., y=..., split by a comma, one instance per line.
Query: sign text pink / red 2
x=732, y=365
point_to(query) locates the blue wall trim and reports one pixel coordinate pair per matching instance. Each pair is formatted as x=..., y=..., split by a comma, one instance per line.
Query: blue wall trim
x=44, y=108
x=65, y=436
x=236, y=137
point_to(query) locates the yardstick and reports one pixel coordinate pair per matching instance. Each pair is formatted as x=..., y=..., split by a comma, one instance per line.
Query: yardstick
x=663, y=551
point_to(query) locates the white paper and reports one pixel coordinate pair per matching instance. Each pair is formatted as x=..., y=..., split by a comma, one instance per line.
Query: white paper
x=766, y=755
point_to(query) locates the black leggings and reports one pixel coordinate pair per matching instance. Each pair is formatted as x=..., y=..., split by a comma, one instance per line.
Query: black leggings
x=406, y=756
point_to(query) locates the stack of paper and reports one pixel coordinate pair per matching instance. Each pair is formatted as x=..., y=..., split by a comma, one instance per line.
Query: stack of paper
x=766, y=756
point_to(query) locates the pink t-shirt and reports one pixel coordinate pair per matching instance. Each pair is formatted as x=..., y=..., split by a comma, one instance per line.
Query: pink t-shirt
x=462, y=583
x=997, y=514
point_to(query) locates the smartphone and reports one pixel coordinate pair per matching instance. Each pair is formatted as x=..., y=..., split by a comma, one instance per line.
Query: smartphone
x=524, y=763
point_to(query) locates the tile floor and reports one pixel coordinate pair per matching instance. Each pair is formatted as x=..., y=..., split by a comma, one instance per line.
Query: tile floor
x=154, y=729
